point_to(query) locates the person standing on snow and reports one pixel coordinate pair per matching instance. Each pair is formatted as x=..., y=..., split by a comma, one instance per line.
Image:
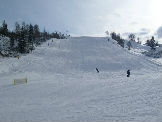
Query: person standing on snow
x=128, y=73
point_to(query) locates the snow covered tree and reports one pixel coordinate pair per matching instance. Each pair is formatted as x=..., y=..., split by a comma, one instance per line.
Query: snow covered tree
x=151, y=43
x=4, y=44
x=132, y=37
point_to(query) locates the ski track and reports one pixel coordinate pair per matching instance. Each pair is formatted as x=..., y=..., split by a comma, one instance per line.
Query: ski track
x=64, y=86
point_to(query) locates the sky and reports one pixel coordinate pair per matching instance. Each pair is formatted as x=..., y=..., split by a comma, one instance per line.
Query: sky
x=87, y=17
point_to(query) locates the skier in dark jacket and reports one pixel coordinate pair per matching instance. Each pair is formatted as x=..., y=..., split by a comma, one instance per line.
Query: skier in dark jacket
x=128, y=73
x=97, y=70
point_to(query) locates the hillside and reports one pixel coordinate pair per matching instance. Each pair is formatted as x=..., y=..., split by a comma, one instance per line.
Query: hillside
x=63, y=84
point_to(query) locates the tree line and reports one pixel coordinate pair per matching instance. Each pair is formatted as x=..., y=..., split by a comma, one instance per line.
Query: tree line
x=132, y=37
x=152, y=43
x=23, y=38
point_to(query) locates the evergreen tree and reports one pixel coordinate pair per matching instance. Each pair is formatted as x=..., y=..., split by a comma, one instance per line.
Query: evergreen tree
x=118, y=38
x=4, y=29
x=23, y=38
x=17, y=30
x=151, y=43
x=25, y=30
x=12, y=43
x=131, y=37
x=22, y=41
x=31, y=37
x=113, y=35
x=36, y=34
x=147, y=42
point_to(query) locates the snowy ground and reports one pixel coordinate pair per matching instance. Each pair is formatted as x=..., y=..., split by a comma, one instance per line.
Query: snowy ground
x=64, y=86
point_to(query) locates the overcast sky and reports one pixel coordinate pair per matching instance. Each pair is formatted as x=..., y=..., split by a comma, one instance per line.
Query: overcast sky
x=87, y=17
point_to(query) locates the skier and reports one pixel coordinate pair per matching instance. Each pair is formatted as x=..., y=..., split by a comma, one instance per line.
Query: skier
x=128, y=73
x=97, y=70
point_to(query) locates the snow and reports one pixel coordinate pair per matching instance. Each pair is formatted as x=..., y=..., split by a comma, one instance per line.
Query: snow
x=145, y=52
x=4, y=44
x=63, y=84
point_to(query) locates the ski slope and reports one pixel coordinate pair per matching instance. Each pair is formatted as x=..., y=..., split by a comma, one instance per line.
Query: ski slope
x=63, y=84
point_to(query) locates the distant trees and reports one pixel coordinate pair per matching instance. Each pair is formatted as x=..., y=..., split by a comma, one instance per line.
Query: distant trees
x=24, y=37
x=107, y=33
x=131, y=37
x=117, y=38
x=22, y=42
x=151, y=43
x=138, y=40
x=36, y=34
x=131, y=42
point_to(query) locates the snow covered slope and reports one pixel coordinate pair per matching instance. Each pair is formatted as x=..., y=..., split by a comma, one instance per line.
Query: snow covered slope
x=63, y=84
x=146, y=51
